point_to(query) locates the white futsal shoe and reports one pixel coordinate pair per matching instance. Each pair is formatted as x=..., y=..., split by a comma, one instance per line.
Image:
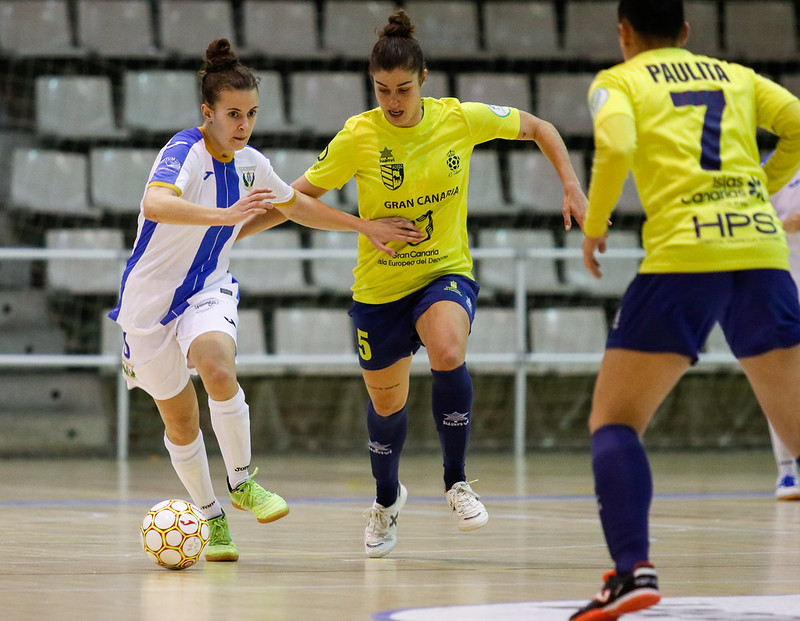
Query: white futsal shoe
x=380, y=536
x=467, y=506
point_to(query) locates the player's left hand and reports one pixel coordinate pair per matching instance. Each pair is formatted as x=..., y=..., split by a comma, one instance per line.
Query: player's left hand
x=384, y=230
x=591, y=245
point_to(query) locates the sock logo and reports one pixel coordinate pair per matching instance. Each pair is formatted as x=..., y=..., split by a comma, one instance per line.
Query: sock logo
x=380, y=449
x=456, y=419
x=242, y=468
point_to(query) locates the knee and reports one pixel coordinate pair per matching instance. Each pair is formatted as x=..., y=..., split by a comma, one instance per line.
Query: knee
x=446, y=358
x=388, y=405
x=182, y=430
x=217, y=378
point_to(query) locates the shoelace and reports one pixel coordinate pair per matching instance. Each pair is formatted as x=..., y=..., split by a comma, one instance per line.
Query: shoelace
x=251, y=493
x=378, y=519
x=465, y=497
x=217, y=532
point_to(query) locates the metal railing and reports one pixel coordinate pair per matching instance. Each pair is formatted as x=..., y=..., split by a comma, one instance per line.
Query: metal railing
x=520, y=361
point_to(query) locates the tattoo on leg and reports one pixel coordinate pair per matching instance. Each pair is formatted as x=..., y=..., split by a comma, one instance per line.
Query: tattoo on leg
x=373, y=387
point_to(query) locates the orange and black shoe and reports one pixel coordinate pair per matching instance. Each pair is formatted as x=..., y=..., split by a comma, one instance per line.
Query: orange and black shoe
x=622, y=594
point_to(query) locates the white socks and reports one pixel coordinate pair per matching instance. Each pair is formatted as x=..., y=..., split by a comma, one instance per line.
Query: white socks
x=783, y=458
x=191, y=464
x=231, y=423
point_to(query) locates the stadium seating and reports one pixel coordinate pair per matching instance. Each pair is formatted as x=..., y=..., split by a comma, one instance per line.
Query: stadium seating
x=334, y=275
x=36, y=28
x=323, y=100
x=350, y=27
x=118, y=177
x=436, y=85
x=85, y=276
x=270, y=276
x=272, y=118
x=281, y=29
x=485, y=191
x=497, y=275
x=568, y=330
x=703, y=27
x=252, y=338
x=121, y=29
x=792, y=82
x=186, y=27
x=534, y=183
x=75, y=107
x=160, y=100
x=446, y=29
x=312, y=330
x=521, y=29
x=591, y=31
x=22, y=308
x=563, y=100
x=617, y=272
x=494, y=331
x=756, y=31
x=50, y=182
x=502, y=89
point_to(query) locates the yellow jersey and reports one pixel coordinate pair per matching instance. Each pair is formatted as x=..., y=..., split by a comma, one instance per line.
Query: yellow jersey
x=694, y=157
x=420, y=173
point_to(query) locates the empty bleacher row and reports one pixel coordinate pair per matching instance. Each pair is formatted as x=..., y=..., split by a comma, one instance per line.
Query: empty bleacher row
x=744, y=29
x=304, y=329
x=109, y=180
x=163, y=101
x=95, y=127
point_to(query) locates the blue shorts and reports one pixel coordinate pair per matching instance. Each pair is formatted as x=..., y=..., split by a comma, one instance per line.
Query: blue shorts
x=387, y=333
x=758, y=311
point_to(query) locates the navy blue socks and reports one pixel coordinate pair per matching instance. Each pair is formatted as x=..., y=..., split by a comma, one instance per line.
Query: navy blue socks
x=452, y=405
x=387, y=435
x=624, y=489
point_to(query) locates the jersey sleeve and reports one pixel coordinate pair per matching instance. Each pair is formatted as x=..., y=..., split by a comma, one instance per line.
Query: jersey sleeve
x=284, y=193
x=177, y=162
x=779, y=112
x=487, y=122
x=615, y=145
x=336, y=165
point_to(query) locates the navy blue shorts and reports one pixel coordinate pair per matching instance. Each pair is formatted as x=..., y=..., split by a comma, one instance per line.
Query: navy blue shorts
x=386, y=333
x=758, y=311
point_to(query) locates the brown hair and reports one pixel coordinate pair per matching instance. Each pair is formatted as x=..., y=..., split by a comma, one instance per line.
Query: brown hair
x=396, y=47
x=221, y=70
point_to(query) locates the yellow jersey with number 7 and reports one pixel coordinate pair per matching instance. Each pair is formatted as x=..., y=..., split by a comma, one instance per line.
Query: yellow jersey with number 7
x=696, y=159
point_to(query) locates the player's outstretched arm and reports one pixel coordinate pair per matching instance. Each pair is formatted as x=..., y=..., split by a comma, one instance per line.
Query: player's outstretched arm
x=162, y=204
x=312, y=213
x=552, y=146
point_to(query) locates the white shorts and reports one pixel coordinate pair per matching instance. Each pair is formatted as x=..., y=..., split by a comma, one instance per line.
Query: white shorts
x=158, y=362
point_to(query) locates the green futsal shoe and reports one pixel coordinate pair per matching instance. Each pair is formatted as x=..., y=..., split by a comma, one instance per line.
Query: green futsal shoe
x=220, y=546
x=250, y=496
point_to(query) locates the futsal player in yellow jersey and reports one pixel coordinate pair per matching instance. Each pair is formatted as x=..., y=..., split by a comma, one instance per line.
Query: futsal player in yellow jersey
x=411, y=157
x=715, y=250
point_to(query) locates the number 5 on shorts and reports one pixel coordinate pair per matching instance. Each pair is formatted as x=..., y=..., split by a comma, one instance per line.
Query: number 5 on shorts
x=363, y=346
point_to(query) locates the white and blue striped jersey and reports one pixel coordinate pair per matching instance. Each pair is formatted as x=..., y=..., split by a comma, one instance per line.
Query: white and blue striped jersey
x=172, y=262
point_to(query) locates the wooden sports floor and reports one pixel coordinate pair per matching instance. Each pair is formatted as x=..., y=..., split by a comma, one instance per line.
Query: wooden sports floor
x=70, y=547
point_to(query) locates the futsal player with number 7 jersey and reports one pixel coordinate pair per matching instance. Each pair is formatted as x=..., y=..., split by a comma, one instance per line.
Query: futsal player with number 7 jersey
x=715, y=251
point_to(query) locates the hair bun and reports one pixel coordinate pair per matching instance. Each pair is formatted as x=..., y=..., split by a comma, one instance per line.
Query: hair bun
x=219, y=56
x=399, y=25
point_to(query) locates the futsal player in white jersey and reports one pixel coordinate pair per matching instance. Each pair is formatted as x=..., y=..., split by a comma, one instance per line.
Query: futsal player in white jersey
x=787, y=205
x=178, y=301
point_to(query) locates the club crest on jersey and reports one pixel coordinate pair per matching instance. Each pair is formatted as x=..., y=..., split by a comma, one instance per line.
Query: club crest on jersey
x=453, y=162
x=248, y=177
x=392, y=173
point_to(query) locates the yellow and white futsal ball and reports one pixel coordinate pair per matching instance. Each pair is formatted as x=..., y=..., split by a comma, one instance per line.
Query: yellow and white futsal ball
x=174, y=533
